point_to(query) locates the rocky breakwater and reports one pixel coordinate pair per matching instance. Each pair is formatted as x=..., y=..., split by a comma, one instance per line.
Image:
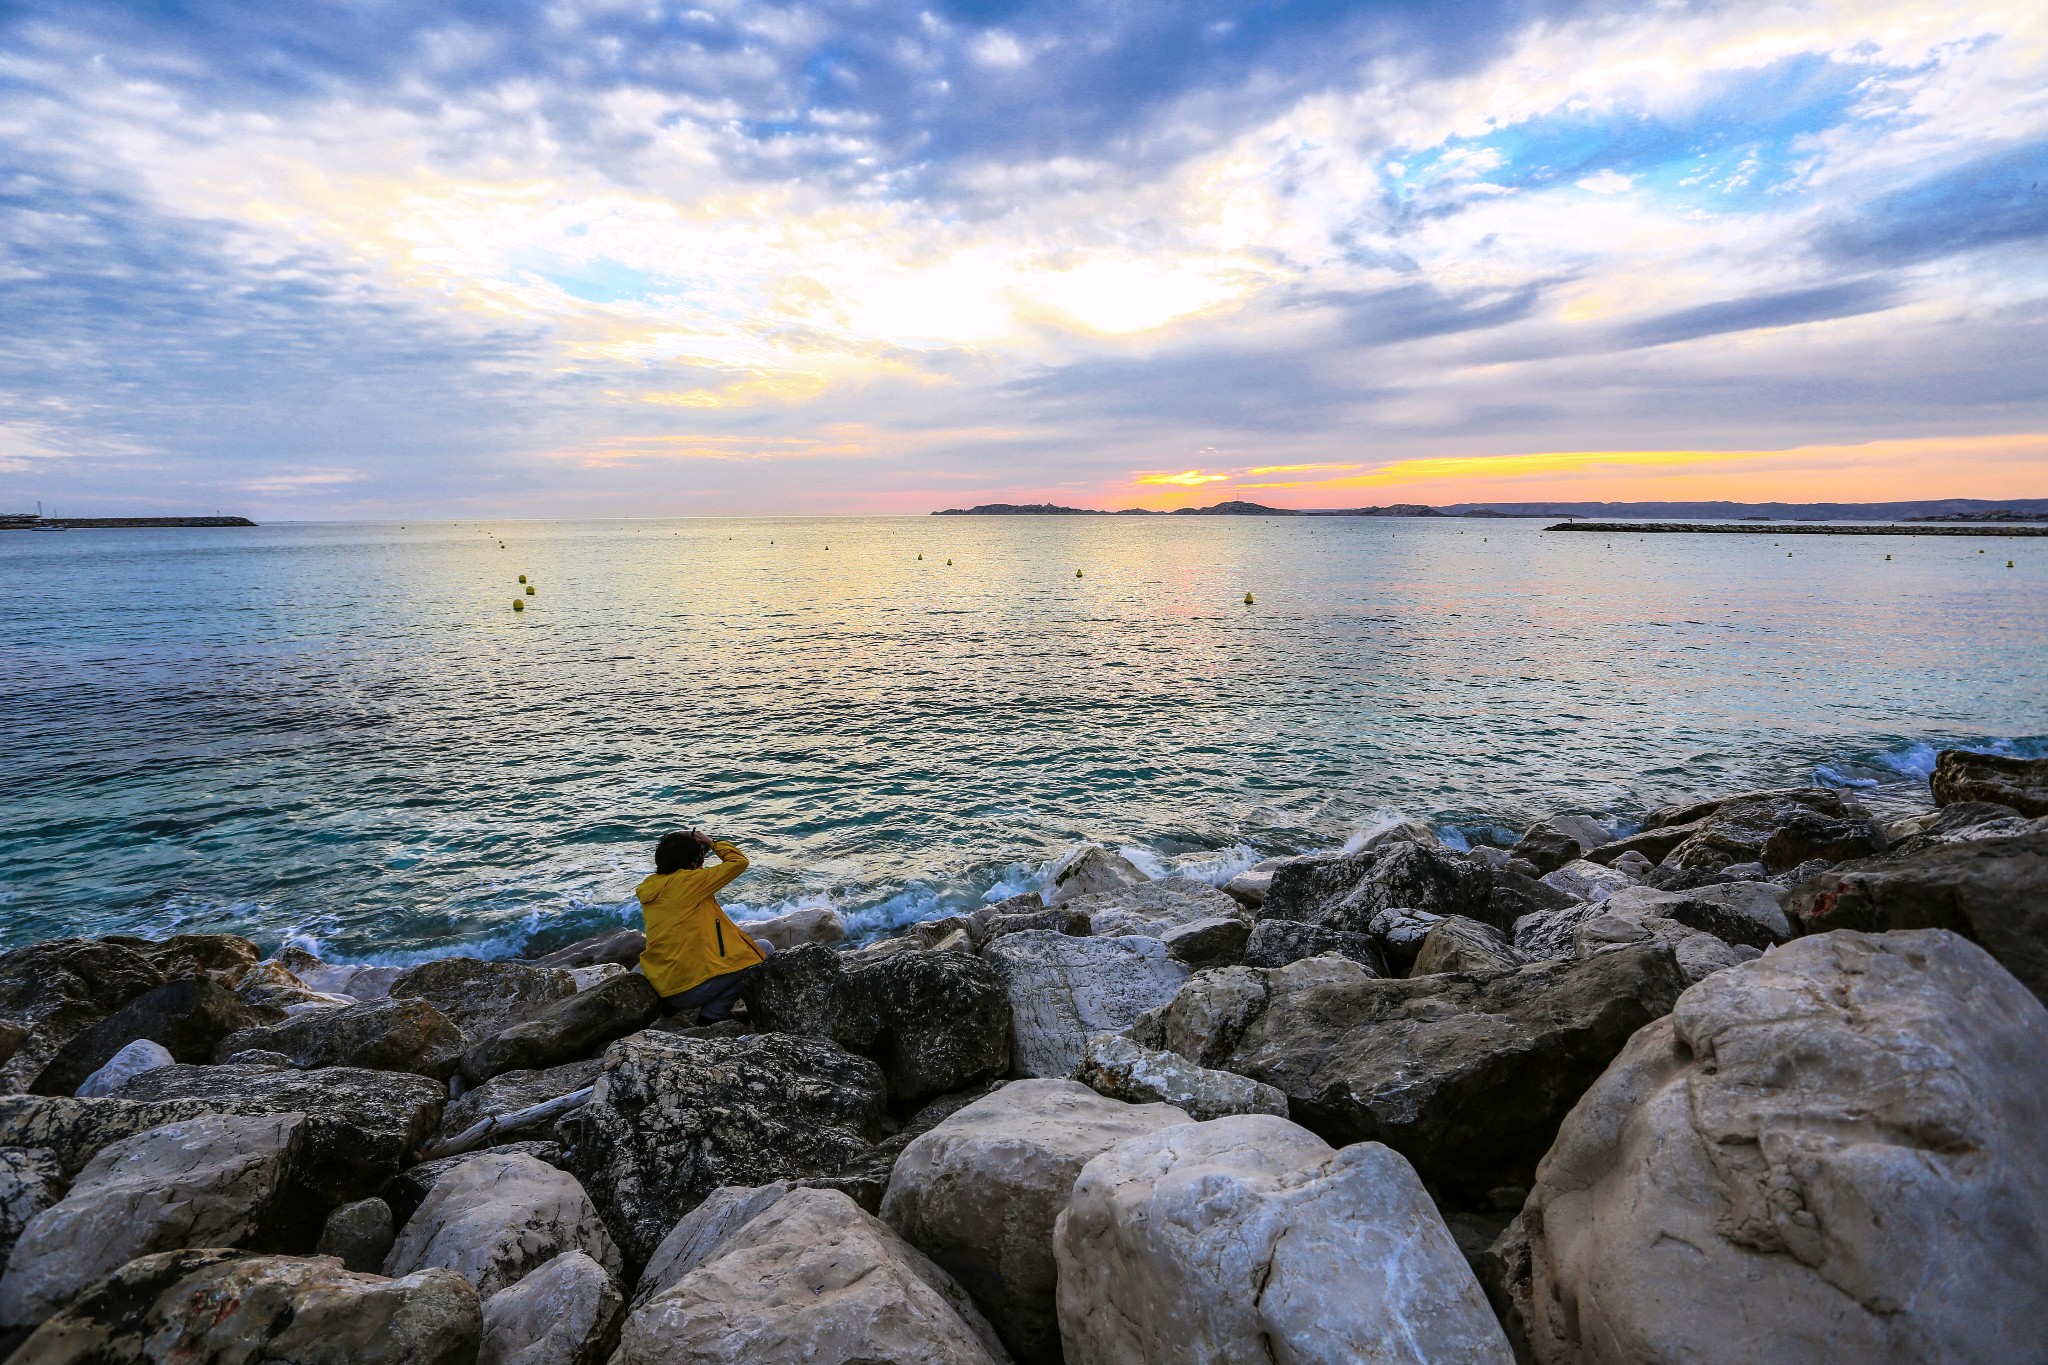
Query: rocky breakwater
x=1754, y=1080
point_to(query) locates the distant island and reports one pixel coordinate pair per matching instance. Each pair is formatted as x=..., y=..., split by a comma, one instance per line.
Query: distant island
x=1931, y=510
x=29, y=521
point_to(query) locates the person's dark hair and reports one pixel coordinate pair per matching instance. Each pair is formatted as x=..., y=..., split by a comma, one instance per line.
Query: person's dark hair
x=677, y=852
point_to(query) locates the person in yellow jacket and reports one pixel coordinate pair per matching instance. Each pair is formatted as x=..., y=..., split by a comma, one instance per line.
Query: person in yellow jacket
x=696, y=956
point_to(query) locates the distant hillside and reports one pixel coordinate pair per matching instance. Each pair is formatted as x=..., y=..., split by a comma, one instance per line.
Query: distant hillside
x=1934, y=509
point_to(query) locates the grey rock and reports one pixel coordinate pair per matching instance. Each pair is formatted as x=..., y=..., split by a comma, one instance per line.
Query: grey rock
x=622, y=946
x=485, y=998
x=1779, y=830
x=1092, y=868
x=275, y=992
x=31, y=1180
x=813, y=924
x=672, y=1119
x=74, y=1131
x=139, y=1056
x=1962, y=822
x=1125, y=1070
x=1277, y=942
x=1467, y=1076
x=1418, y=877
x=812, y=1279
x=2019, y=783
x=565, y=1313
x=1549, y=847
x=187, y=1017
x=1058, y=920
x=1308, y=890
x=1515, y=895
x=1699, y=955
x=567, y=1029
x=218, y=1180
x=1751, y=913
x=221, y=958
x=1632, y=864
x=410, y=1188
x=494, y=1217
x=1208, y=942
x=1250, y=1239
x=1249, y=887
x=512, y=1091
x=1988, y=890
x=1062, y=990
x=221, y=1307
x=703, y=1232
x=1150, y=909
x=1846, y=1137
x=51, y=990
x=364, y=1125
x=359, y=1234
x=1587, y=881
x=1400, y=933
x=933, y=1021
x=378, y=1035
x=1458, y=944
x=979, y=1195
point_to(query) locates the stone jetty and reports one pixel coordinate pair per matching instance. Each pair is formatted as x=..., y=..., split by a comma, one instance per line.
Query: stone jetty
x=1758, y=1078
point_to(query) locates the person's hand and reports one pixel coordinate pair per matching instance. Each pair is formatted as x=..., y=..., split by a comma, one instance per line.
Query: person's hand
x=701, y=837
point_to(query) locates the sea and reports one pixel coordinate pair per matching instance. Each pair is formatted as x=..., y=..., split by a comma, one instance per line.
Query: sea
x=345, y=736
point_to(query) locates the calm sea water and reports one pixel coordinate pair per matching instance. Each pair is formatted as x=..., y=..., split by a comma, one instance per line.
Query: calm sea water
x=342, y=733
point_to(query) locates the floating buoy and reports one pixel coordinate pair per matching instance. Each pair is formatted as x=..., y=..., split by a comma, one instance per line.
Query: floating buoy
x=1887, y=558
x=1077, y=573
x=519, y=604
x=920, y=556
x=522, y=578
x=949, y=563
x=1247, y=599
x=2008, y=563
x=529, y=589
x=1788, y=554
x=1980, y=552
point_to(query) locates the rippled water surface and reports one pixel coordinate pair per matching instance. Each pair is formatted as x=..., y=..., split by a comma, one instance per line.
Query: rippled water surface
x=343, y=732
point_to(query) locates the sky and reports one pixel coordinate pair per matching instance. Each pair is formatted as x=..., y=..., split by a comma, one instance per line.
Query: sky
x=402, y=258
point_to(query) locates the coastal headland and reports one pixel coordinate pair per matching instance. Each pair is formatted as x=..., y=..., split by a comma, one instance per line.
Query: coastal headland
x=28, y=521
x=1753, y=528
x=1630, y=1092
x=2014, y=510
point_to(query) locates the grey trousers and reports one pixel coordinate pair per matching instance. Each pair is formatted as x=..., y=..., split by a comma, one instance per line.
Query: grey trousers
x=713, y=997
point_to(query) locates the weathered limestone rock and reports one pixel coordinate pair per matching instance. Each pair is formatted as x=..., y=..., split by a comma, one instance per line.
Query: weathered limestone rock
x=811, y=924
x=1549, y=847
x=274, y=991
x=365, y=1125
x=589, y=978
x=1215, y=942
x=703, y=1232
x=1058, y=920
x=1249, y=887
x=1958, y=823
x=493, y=1218
x=219, y=1180
x=1249, y=1240
x=813, y=1279
x=60, y=987
x=620, y=947
x=1277, y=942
x=31, y=1180
x=378, y=1035
x=1778, y=829
x=221, y=1307
x=511, y=1091
x=485, y=998
x=359, y=1235
x=1699, y=955
x=1987, y=890
x=1457, y=944
x=565, y=1313
x=567, y=1030
x=1418, y=877
x=1846, y=1137
x=1308, y=890
x=187, y=1017
x=1404, y=829
x=1064, y=989
x=1466, y=1076
x=933, y=1021
x=139, y=1056
x=979, y=1193
x=74, y=1131
x=2021, y=783
x=1587, y=881
x=1092, y=868
x=1150, y=909
x=1400, y=933
x=1125, y=1070
x=223, y=958
x=672, y=1119
x=1515, y=895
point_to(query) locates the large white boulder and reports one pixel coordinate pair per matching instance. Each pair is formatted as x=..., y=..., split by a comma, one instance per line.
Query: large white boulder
x=807, y=924
x=219, y=1180
x=1089, y=869
x=134, y=1059
x=980, y=1192
x=497, y=1215
x=1063, y=989
x=812, y=1280
x=560, y=1314
x=1249, y=1240
x=1838, y=1151
x=1153, y=909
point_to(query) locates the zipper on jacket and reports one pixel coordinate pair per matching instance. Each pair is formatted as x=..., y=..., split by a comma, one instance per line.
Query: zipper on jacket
x=719, y=929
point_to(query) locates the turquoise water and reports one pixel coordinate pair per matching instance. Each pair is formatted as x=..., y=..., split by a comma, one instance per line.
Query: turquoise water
x=342, y=733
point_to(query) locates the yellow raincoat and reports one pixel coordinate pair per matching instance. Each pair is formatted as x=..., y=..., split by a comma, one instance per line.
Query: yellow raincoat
x=689, y=938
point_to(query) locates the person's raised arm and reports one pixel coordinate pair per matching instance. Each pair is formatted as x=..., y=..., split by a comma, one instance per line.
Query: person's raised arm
x=731, y=862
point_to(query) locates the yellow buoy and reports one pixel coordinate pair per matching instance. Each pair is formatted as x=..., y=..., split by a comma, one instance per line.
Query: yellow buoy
x=1077, y=573
x=2008, y=563
x=519, y=604
x=920, y=556
x=949, y=563
x=529, y=589
x=522, y=578
x=1887, y=557
x=1247, y=599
